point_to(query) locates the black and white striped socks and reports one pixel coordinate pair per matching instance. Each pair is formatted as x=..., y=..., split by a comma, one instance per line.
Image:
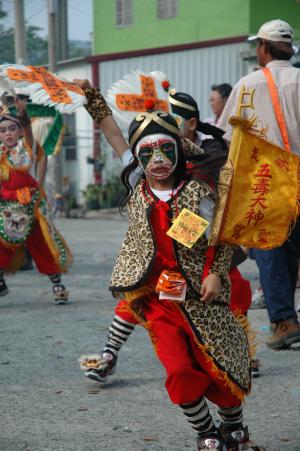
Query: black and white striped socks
x=232, y=417
x=119, y=331
x=198, y=416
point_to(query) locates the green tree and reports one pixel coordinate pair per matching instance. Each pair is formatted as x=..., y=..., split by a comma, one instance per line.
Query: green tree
x=6, y=39
x=37, y=46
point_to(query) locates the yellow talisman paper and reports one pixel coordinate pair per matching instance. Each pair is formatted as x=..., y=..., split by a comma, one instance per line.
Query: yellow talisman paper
x=187, y=228
x=258, y=192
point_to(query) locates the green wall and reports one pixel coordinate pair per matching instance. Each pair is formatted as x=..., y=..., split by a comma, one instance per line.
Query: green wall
x=263, y=10
x=197, y=20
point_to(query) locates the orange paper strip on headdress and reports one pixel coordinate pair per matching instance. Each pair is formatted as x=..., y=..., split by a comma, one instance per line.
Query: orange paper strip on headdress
x=138, y=102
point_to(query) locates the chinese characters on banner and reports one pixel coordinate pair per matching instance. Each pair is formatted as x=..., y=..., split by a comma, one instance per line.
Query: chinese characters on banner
x=260, y=199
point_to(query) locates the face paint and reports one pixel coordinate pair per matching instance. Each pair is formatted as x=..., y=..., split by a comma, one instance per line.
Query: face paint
x=158, y=155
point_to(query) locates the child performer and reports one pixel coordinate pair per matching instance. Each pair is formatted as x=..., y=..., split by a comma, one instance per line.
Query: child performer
x=205, y=160
x=202, y=347
x=23, y=207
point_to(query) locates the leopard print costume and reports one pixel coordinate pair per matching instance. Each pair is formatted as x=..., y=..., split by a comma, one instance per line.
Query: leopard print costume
x=215, y=328
x=96, y=104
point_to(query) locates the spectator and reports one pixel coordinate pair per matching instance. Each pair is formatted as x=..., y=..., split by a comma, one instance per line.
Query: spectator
x=218, y=98
x=278, y=267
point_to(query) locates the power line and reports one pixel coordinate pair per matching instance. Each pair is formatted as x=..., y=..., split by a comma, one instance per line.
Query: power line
x=81, y=11
x=36, y=13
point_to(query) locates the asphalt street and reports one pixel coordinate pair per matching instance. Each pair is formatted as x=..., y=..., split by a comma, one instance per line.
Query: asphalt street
x=48, y=405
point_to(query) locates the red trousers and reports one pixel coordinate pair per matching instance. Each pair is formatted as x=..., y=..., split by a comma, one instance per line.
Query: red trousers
x=39, y=251
x=188, y=372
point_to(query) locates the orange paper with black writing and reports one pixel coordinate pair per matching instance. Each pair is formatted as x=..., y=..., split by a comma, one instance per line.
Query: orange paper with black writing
x=136, y=102
x=171, y=285
x=258, y=193
x=170, y=282
x=56, y=88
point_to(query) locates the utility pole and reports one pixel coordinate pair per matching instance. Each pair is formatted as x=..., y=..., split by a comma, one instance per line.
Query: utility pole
x=55, y=167
x=20, y=33
x=62, y=31
x=52, y=46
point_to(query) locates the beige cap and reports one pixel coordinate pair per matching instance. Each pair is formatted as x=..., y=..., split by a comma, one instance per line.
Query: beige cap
x=275, y=30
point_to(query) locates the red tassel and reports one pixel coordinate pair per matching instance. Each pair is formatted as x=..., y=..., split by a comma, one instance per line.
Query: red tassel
x=149, y=104
x=166, y=85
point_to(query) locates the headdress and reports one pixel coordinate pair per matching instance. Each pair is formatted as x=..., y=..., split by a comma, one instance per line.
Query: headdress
x=6, y=115
x=132, y=94
x=183, y=104
x=151, y=123
x=43, y=87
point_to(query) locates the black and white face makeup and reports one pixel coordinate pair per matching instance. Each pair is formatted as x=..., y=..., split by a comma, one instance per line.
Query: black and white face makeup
x=158, y=155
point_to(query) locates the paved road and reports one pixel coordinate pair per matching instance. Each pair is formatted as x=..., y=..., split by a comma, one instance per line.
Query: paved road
x=47, y=404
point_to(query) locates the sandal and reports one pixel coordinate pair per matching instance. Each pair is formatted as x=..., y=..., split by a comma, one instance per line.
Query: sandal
x=61, y=295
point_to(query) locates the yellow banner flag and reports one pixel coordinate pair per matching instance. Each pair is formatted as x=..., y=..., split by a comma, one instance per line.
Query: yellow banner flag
x=258, y=192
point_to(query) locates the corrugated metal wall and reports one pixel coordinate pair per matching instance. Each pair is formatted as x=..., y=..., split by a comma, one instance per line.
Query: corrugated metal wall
x=191, y=71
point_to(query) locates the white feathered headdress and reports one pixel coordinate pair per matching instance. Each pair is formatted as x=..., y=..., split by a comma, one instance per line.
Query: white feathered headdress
x=43, y=87
x=138, y=92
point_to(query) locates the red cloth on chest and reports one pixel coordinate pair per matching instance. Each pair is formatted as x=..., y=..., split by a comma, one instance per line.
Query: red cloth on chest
x=17, y=180
x=160, y=221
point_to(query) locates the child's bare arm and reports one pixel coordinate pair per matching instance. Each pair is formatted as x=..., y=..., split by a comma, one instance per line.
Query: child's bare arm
x=41, y=169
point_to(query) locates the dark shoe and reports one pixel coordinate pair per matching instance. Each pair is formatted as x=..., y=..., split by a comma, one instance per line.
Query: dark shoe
x=237, y=439
x=210, y=443
x=3, y=288
x=255, y=365
x=106, y=367
x=61, y=295
x=287, y=332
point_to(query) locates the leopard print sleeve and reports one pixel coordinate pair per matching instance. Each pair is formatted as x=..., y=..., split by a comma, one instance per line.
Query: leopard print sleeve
x=96, y=105
x=190, y=148
x=222, y=261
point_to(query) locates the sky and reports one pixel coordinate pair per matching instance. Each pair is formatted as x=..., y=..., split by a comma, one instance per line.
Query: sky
x=79, y=16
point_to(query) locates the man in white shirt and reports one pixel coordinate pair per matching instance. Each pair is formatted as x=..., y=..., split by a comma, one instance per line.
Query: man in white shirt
x=278, y=267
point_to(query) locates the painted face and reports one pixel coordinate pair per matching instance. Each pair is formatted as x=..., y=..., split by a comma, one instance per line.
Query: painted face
x=10, y=133
x=158, y=155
